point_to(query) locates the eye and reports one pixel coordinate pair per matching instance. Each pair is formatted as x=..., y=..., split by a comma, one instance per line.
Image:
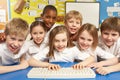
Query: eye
x=13, y=38
x=77, y=22
x=90, y=40
x=105, y=33
x=54, y=18
x=41, y=33
x=64, y=40
x=114, y=34
x=56, y=40
x=82, y=38
x=35, y=33
x=21, y=40
x=70, y=21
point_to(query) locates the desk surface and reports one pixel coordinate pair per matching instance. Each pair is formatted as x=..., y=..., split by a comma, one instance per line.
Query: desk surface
x=22, y=75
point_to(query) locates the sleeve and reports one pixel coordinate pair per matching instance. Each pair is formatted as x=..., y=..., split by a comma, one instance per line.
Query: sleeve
x=24, y=48
x=118, y=53
x=103, y=54
x=80, y=55
x=42, y=55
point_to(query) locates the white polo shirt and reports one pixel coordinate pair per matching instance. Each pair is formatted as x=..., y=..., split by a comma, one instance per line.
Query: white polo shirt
x=103, y=54
x=46, y=39
x=7, y=57
x=68, y=55
x=114, y=49
x=30, y=48
x=98, y=52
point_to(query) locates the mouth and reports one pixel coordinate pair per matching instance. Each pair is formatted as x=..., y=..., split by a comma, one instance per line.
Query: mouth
x=13, y=48
x=84, y=47
x=60, y=48
x=72, y=30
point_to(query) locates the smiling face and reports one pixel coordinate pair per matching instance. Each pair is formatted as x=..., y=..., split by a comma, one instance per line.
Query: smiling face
x=109, y=37
x=14, y=43
x=73, y=25
x=85, y=40
x=60, y=41
x=49, y=18
x=38, y=34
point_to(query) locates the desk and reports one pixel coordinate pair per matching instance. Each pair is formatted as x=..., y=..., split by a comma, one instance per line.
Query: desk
x=22, y=74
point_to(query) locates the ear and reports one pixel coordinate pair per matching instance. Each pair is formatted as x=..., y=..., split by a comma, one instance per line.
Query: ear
x=41, y=15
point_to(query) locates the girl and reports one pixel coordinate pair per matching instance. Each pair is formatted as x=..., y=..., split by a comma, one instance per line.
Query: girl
x=61, y=50
x=37, y=32
x=88, y=41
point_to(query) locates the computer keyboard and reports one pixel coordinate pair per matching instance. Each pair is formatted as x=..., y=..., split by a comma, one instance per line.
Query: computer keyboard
x=61, y=73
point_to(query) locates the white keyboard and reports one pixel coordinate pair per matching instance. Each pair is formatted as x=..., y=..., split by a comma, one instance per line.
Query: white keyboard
x=61, y=73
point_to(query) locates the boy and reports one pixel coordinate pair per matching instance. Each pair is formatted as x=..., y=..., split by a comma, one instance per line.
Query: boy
x=110, y=42
x=73, y=22
x=49, y=17
x=16, y=32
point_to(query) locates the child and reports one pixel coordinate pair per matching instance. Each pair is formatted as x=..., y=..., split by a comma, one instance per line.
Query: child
x=110, y=35
x=110, y=42
x=61, y=50
x=33, y=46
x=88, y=41
x=73, y=22
x=49, y=17
x=16, y=32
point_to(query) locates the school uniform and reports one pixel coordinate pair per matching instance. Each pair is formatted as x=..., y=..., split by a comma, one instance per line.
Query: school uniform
x=67, y=55
x=30, y=48
x=114, y=49
x=98, y=52
x=7, y=57
x=46, y=39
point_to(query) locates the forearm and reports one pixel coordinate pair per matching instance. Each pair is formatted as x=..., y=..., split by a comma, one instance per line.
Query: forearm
x=89, y=60
x=108, y=62
x=37, y=63
x=5, y=69
x=114, y=68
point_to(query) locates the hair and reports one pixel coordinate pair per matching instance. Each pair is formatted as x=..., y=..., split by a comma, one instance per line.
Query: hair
x=57, y=30
x=49, y=7
x=92, y=30
x=75, y=14
x=111, y=23
x=37, y=23
x=18, y=27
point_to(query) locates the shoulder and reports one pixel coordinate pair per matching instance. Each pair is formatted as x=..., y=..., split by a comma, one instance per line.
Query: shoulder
x=73, y=49
x=3, y=46
x=118, y=41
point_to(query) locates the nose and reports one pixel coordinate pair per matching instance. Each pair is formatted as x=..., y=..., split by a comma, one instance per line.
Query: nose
x=50, y=20
x=38, y=35
x=60, y=43
x=16, y=43
x=84, y=41
x=109, y=37
x=74, y=23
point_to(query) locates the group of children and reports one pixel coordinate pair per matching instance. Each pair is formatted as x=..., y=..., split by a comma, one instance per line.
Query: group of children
x=51, y=42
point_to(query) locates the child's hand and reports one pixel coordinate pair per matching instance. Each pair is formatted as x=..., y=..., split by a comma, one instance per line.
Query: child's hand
x=103, y=70
x=24, y=64
x=53, y=67
x=80, y=65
